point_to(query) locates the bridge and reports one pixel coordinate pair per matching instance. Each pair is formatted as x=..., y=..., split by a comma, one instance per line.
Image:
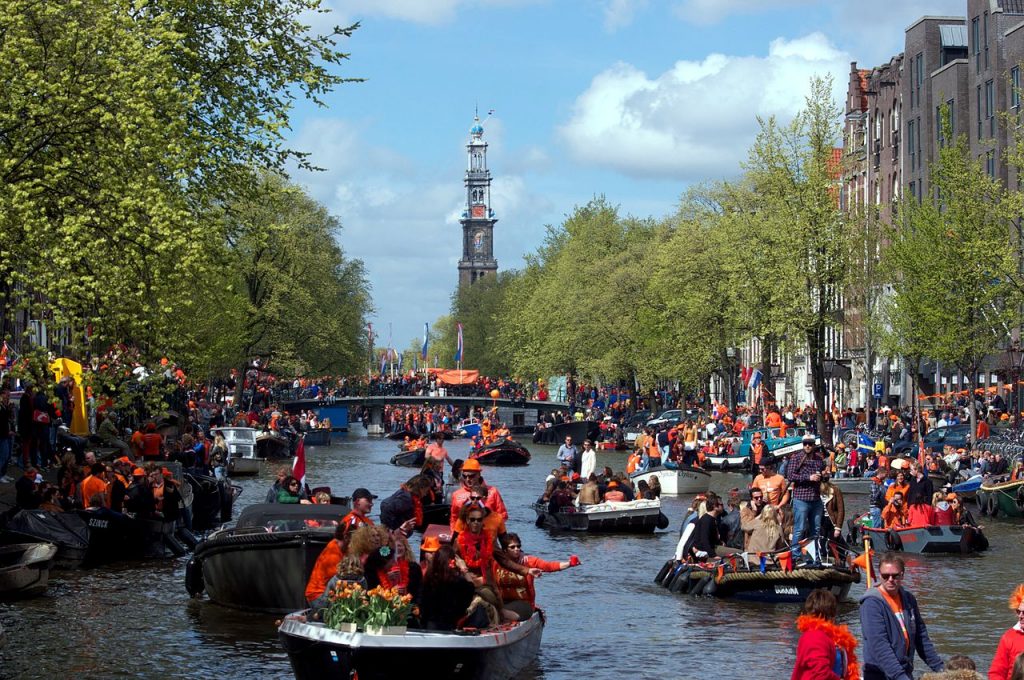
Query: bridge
x=517, y=413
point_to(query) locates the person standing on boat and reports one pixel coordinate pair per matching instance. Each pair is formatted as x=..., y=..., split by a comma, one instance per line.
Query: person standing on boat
x=470, y=477
x=919, y=497
x=805, y=472
x=758, y=454
x=566, y=453
x=1011, y=645
x=892, y=626
x=827, y=650
x=437, y=451
x=362, y=504
x=589, y=460
x=772, y=484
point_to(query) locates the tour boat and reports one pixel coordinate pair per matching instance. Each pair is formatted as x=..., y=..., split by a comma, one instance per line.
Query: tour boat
x=738, y=456
x=241, y=443
x=676, y=480
x=1002, y=497
x=637, y=517
x=412, y=458
x=25, y=569
x=468, y=428
x=264, y=561
x=927, y=539
x=505, y=452
x=317, y=652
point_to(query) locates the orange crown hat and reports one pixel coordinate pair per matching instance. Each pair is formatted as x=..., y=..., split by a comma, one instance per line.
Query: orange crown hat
x=1017, y=597
x=430, y=544
x=471, y=465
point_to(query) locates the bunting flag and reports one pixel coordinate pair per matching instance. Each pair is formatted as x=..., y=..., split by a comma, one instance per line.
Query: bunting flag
x=785, y=560
x=763, y=566
x=458, y=345
x=426, y=339
x=299, y=464
x=732, y=561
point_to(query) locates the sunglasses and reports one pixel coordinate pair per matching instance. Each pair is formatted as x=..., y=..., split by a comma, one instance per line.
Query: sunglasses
x=468, y=475
x=476, y=498
x=519, y=547
x=891, y=577
x=474, y=520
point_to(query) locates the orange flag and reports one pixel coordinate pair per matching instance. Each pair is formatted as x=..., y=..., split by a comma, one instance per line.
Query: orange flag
x=720, y=572
x=785, y=560
x=863, y=561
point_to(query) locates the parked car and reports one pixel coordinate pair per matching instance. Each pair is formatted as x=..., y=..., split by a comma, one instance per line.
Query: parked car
x=957, y=436
x=666, y=419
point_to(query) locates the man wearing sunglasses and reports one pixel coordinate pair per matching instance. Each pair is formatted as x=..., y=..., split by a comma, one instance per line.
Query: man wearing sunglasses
x=892, y=627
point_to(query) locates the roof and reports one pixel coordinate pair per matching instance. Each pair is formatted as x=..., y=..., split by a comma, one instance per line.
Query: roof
x=835, y=162
x=290, y=517
x=864, y=74
x=952, y=35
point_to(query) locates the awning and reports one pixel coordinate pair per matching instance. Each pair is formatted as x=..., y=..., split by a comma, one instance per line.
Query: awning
x=453, y=376
x=953, y=35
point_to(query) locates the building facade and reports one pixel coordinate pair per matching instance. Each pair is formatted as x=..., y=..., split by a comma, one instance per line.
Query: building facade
x=478, y=218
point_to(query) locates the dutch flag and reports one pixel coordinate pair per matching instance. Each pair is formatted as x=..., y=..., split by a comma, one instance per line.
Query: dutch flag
x=754, y=380
x=426, y=338
x=458, y=346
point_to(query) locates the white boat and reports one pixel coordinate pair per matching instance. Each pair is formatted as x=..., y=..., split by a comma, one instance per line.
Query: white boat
x=25, y=569
x=242, y=458
x=676, y=481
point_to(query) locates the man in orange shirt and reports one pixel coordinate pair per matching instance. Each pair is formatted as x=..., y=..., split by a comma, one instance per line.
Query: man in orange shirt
x=772, y=485
x=327, y=564
x=362, y=504
x=95, y=483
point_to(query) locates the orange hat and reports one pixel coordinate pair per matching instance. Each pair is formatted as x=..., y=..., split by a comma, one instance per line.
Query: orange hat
x=951, y=496
x=472, y=465
x=124, y=459
x=430, y=544
x=612, y=484
x=138, y=472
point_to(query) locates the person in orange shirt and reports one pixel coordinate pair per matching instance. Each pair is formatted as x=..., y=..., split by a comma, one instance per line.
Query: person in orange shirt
x=899, y=486
x=772, y=485
x=327, y=563
x=894, y=515
x=983, y=429
x=773, y=419
x=95, y=483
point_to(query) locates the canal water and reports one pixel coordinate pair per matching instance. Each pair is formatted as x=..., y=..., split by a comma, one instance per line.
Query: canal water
x=604, y=619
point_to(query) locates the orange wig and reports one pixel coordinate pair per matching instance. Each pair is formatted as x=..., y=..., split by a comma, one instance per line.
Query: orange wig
x=1017, y=597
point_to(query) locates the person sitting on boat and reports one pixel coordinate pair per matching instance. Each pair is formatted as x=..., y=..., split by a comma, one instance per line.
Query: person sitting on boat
x=291, y=492
x=749, y=512
x=589, y=493
x=434, y=471
x=561, y=497
x=281, y=474
x=471, y=475
x=362, y=504
x=403, y=510
x=899, y=485
x=327, y=563
x=389, y=566
x=894, y=516
x=475, y=547
x=705, y=538
x=139, y=499
x=943, y=512
x=764, y=531
x=95, y=483
x=447, y=593
x=517, y=590
x=919, y=496
x=635, y=462
x=877, y=500
x=643, y=490
x=772, y=484
x=493, y=521
x=614, y=493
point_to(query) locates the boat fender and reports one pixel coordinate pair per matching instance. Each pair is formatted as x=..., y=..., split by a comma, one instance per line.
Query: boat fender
x=194, y=583
x=725, y=465
x=176, y=547
x=991, y=506
x=1020, y=497
x=662, y=521
x=710, y=588
x=187, y=537
x=697, y=586
x=893, y=540
x=679, y=580
x=665, y=570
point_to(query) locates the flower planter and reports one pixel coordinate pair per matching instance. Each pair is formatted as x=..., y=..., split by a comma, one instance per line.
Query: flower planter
x=346, y=627
x=385, y=630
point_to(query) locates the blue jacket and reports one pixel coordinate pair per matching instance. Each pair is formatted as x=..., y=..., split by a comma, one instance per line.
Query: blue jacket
x=885, y=653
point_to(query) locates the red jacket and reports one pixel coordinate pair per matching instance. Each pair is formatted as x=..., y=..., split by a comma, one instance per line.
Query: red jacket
x=816, y=651
x=1010, y=645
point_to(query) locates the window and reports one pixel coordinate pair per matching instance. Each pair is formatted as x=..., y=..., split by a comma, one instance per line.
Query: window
x=1015, y=87
x=951, y=105
x=910, y=144
x=912, y=187
x=986, y=38
x=917, y=131
x=990, y=163
x=976, y=42
x=918, y=76
x=939, y=136
x=990, y=106
x=979, y=111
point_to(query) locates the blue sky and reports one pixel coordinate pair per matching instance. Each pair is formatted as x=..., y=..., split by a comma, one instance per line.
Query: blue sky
x=631, y=99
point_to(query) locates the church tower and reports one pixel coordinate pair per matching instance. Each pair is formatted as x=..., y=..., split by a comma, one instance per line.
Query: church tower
x=477, y=219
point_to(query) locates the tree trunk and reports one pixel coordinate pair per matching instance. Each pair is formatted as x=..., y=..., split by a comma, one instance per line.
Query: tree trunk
x=815, y=350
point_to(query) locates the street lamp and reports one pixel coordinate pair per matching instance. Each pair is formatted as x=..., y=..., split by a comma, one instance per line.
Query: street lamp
x=1016, y=359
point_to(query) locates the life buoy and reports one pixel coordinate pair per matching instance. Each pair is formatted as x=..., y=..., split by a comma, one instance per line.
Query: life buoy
x=662, y=521
x=710, y=588
x=725, y=465
x=1020, y=496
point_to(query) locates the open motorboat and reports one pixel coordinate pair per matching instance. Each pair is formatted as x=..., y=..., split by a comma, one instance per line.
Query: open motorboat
x=579, y=430
x=506, y=452
x=317, y=652
x=676, y=480
x=264, y=561
x=412, y=458
x=320, y=436
x=25, y=569
x=927, y=539
x=635, y=517
x=242, y=457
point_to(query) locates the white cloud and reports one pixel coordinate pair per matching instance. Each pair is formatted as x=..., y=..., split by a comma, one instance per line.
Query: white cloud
x=697, y=119
x=619, y=13
x=416, y=11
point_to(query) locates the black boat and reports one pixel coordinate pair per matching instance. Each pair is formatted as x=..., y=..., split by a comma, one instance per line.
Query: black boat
x=274, y=444
x=413, y=458
x=318, y=437
x=317, y=652
x=66, y=530
x=213, y=500
x=750, y=583
x=502, y=453
x=578, y=430
x=264, y=561
x=403, y=434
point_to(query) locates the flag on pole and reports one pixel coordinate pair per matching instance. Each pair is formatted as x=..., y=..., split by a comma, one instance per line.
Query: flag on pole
x=299, y=464
x=383, y=361
x=401, y=360
x=754, y=380
x=416, y=363
x=426, y=339
x=458, y=345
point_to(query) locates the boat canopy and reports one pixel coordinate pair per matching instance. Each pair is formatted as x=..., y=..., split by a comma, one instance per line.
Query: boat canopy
x=288, y=517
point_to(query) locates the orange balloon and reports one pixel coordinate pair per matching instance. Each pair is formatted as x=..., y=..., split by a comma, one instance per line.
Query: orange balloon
x=495, y=394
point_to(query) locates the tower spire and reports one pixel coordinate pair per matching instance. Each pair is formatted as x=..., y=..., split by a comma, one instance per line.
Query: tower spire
x=478, y=218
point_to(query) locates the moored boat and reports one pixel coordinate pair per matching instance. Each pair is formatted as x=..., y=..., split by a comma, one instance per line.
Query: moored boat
x=750, y=583
x=316, y=651
x=927, y=540
x=968, y=488
x=25, y=569
x=403, y=434
x=66, y=530
x=264, y=561
x=676, y=480
x=578, y=430
x=412, y=458
x=505, y=452
x=468, y=428
x=1002, y=497
x=636, y=517
x=273, y=444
